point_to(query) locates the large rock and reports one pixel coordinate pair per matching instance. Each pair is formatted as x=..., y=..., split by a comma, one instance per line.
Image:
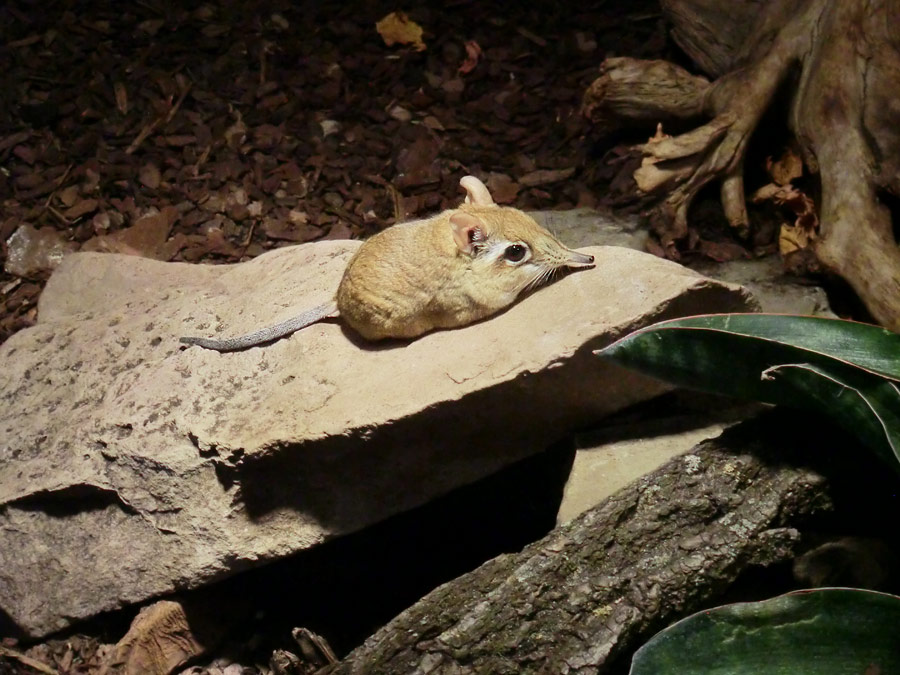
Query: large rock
x=131, y=466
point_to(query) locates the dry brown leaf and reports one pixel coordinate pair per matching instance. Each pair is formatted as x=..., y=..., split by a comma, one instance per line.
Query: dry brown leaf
x=25, y=660
x=545, y=176
x=397, y=28
x=68, y=196
x=159, y=641
x=339, y=230
x=148, y=237
x=217, y=243
x=503, y=189
x=149, y=175
x=25, y=153
x=294, y=229
x=80, y=208
x=723, y=251
x=433, y=123
x=473, y=53
x=803, y=232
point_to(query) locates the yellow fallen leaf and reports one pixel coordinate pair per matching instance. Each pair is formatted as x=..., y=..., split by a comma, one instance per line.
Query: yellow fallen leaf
x=794, y=238
x=786, y=168
x=396, y=28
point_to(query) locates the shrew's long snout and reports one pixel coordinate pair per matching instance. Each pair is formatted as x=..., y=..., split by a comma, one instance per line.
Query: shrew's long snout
x=577, y=259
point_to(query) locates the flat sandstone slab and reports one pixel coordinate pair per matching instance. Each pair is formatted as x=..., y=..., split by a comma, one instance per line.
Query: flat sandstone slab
x=131, y=466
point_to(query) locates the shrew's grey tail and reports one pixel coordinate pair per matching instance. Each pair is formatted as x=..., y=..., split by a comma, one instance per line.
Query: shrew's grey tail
x=265, y=335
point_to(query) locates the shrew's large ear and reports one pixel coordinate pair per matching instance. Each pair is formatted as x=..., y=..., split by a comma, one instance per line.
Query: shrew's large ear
x=468, y=231
x=476, y=191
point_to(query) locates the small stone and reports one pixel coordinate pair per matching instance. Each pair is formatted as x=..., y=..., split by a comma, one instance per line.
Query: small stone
x=31, y=251
x=400, y=113
x=329, y=127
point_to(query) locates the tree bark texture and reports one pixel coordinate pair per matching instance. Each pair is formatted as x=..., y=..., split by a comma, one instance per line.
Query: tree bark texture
x=598, y=587
x=840, y=60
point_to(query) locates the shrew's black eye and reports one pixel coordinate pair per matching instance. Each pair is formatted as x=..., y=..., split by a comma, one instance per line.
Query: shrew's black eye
x=515, y=252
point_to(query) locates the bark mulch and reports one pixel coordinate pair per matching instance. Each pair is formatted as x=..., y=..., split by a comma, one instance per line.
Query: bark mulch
x=211, y=132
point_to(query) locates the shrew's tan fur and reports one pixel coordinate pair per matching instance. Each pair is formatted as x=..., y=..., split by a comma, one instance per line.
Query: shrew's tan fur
x=390, y=289
x=446, y=271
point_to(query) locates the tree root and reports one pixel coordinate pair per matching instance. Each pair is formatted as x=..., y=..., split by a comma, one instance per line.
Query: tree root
x=843, y=113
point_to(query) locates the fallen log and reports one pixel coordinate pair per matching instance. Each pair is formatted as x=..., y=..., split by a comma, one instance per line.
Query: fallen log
x=595, y=589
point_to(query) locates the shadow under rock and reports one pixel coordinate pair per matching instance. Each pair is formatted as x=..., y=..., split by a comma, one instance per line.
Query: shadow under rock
x=346, y=588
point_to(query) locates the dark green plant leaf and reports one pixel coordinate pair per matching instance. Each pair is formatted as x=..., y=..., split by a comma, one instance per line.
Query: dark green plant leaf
x=829, y=631
x=867, y=406
x=843, y=369
x=869, y=347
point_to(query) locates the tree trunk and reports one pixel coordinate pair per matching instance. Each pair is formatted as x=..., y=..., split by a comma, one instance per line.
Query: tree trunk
x=595, y=589
x=842, y=59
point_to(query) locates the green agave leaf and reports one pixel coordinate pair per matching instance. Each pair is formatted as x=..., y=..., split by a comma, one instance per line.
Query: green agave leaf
x=843, y=369
x=866, y=406
x=869, y=347
x=829, y=631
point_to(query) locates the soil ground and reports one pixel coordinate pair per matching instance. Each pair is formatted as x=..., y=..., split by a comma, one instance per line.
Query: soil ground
x=248, y=126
